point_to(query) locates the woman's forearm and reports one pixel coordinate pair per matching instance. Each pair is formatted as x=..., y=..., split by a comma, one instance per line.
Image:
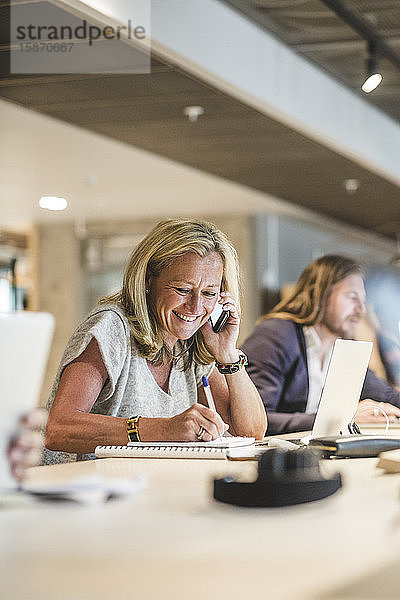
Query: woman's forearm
x=80, y=433
x=247, y=412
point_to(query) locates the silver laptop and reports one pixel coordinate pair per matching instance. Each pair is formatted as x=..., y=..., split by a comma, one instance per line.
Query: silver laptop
x=340, y=394
x=342, y=388
x=25, y=339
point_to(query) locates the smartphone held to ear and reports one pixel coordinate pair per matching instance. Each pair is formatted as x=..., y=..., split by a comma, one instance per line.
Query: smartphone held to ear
x=218, y=318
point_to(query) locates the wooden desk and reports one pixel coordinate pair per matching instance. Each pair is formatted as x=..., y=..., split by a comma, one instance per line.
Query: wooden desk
x=173, y=542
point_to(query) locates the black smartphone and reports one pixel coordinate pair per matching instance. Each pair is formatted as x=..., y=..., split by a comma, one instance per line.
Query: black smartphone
x=218, y=318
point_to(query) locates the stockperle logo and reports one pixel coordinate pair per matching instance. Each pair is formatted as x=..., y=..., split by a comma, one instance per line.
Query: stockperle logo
x=48, y=38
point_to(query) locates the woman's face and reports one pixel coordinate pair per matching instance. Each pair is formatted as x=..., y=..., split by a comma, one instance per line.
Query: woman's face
x=185, y=293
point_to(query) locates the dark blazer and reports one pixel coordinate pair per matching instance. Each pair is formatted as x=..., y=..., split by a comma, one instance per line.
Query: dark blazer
x=278, y=367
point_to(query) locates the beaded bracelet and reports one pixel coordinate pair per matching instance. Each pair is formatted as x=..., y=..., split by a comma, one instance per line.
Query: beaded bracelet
x=230, y=368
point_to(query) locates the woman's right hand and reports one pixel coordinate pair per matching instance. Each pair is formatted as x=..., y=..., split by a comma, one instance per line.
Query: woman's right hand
x=25, y=448
x=197, y=423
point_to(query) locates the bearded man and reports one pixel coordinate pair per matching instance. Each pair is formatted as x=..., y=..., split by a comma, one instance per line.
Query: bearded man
x=290, y=348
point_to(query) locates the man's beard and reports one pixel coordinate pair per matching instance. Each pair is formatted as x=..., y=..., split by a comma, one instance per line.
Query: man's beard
x=340, y=331
x=344, y=332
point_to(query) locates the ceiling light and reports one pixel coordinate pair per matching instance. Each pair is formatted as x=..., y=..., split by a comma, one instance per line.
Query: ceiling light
x=351, y=185
x=193, y=112
x=371, y=82
x=374, y=76
x=53, y=203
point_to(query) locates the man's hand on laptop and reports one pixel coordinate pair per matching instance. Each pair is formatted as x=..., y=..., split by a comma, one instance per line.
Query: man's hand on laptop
x=370, y=411
x=25, y=449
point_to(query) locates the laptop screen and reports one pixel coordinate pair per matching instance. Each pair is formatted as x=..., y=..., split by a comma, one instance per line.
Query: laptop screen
x=342, y=388
x=25, y=339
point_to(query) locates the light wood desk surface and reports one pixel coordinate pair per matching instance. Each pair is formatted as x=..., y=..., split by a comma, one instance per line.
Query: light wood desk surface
x=172, y=541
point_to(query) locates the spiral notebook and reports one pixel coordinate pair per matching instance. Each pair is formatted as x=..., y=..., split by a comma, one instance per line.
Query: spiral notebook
x=214, y=449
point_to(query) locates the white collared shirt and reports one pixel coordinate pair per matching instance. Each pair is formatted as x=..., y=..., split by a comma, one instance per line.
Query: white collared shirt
x=316, y=370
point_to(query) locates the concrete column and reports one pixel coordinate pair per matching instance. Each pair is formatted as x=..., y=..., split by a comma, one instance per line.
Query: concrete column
x=59, y=287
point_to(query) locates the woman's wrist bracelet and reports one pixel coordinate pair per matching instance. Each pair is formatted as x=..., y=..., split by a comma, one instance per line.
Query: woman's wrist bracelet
x=230, y=368
x=132, y=429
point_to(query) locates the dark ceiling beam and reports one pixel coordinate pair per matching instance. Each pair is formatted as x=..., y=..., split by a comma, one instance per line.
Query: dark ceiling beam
x=364, y=30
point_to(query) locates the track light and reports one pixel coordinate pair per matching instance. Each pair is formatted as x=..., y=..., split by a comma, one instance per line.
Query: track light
x=374, y=76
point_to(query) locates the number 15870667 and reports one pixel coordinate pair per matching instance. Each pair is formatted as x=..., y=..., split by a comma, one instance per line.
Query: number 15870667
x=46, y=47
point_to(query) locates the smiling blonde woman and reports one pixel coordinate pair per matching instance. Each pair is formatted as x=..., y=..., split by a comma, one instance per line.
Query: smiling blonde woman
x=133, y=369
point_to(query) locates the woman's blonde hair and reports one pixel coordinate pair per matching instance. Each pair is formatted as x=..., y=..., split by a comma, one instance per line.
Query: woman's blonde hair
x=168, y=240
x=307, y=303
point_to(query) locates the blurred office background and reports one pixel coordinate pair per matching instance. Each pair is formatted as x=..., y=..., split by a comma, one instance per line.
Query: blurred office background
x=286, y=154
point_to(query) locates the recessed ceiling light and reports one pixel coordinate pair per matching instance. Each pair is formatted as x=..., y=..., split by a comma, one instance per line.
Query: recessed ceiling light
x=351, y=185
x=193, y=112
x=53, y=203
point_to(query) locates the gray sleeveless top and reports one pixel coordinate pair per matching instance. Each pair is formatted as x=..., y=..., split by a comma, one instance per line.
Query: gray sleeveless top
x=130, y=388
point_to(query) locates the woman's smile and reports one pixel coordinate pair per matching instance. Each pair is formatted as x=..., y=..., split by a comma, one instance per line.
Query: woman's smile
x=187, y=318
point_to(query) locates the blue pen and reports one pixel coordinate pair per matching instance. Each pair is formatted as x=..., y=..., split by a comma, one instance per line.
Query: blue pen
x=209, y=396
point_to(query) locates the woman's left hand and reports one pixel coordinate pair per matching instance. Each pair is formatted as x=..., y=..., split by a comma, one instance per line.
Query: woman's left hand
x=223, y=344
